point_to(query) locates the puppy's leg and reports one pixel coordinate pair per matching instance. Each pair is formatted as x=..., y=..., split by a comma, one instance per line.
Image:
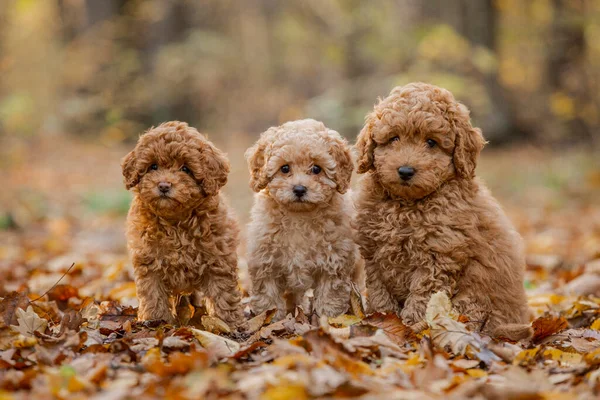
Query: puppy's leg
x=154, y=298
x=268, y=295
x=379, y=298
x=332, y=295
x=221, y=288
x=429, y=279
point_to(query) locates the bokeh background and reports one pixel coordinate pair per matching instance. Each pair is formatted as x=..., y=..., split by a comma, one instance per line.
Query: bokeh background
x=81, y=79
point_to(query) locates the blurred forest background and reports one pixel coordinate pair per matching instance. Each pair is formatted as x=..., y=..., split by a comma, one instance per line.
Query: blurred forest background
x=81, y=79
x=110, y=68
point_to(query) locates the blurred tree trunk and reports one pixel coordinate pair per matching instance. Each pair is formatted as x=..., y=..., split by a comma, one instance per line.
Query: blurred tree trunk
x=477, y=22
x=101, y=10
x=170, y=28
x=566, y=72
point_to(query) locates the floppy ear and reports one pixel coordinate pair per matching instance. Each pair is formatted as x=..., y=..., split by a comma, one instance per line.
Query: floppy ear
x=365, y=145
x=468, y=144
x=340, y=151
x=128, y=166
x=217, y=168
x=255, y=156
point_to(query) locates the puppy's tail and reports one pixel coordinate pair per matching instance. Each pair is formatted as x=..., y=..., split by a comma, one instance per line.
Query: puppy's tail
x=514, y=332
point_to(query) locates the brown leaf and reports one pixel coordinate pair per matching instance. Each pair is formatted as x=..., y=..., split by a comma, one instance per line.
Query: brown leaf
x=113, y=311
x=248, y=349
x=393, y=327
x=546, y=326
x=9, y=306
x=262, y=319
x=63, y=292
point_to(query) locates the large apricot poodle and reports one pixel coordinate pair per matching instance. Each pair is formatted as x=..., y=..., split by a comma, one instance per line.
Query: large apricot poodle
x=300, y=236
x=426, y=223
x=181, y=235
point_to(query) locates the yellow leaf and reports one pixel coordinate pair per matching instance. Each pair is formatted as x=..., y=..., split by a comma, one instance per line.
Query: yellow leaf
x=75, y=385
x=596, y=325
x=562, y=105
x=556, y=299
x=22, y=342
x=344, y=320
x=415, y=359
x=562, y=356
x=125, y=290
x=285, y=392
x=477, y=373
x=5, y=395
x=525, y=356
x=593, y=357
x=293, y=360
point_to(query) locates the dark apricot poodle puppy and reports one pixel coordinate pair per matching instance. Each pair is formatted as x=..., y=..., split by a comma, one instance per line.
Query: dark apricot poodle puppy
x=426, y=223
x=181, y=235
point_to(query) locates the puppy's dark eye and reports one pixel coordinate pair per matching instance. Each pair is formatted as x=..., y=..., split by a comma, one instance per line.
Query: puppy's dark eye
x=154, y=167
x=186, y=170
x=394, y=139
x=285, y=169
x=431, y=143
x=316, y=169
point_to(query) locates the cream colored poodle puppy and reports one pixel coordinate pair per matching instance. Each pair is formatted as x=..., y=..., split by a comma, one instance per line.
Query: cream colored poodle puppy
x=299, y=236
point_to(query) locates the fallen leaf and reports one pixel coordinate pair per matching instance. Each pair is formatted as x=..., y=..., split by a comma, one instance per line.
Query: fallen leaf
x=29, y=322
x=356, y=302
x=393, y=327
x=214, y=324
x=62, y=293
x=218, y=346
x=9, y=306
x=257, y=322
x=439, y=305
x=546, y=326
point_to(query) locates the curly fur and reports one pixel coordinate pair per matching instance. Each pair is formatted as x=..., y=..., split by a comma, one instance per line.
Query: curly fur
x=299, y=244
x=441, y=230
x=183, y=241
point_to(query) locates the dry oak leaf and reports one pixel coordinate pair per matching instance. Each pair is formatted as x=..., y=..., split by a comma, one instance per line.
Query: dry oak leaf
x=392, y=326
x=214, y=324
x=546, y=326
x=218, y=346
x=29, y=322
x=439, y=305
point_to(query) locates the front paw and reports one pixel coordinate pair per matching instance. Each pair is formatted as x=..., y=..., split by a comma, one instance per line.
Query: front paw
x=150, y=321
x=152, y=316
x=412, y=314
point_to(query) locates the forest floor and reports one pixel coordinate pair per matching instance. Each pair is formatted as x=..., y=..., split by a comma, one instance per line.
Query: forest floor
x=67, y=299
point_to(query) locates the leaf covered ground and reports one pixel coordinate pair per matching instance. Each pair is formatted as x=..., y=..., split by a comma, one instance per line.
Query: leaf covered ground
x=68, y=324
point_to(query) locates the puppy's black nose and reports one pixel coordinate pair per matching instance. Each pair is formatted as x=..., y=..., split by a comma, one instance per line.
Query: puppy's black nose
x=406, y=172
x=299, y=190
x=164, y=187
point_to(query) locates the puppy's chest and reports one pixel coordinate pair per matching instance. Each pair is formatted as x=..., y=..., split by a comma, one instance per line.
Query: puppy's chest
x=308, y=242
x=177, y=253
x=411, y=235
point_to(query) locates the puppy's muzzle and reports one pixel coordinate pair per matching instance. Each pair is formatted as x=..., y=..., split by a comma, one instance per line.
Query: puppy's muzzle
x=164, y=187
x=406, y=172
x=299, y=191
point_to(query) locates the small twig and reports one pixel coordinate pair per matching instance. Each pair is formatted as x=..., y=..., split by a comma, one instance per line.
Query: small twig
x=485, y=321
x=53, y=286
